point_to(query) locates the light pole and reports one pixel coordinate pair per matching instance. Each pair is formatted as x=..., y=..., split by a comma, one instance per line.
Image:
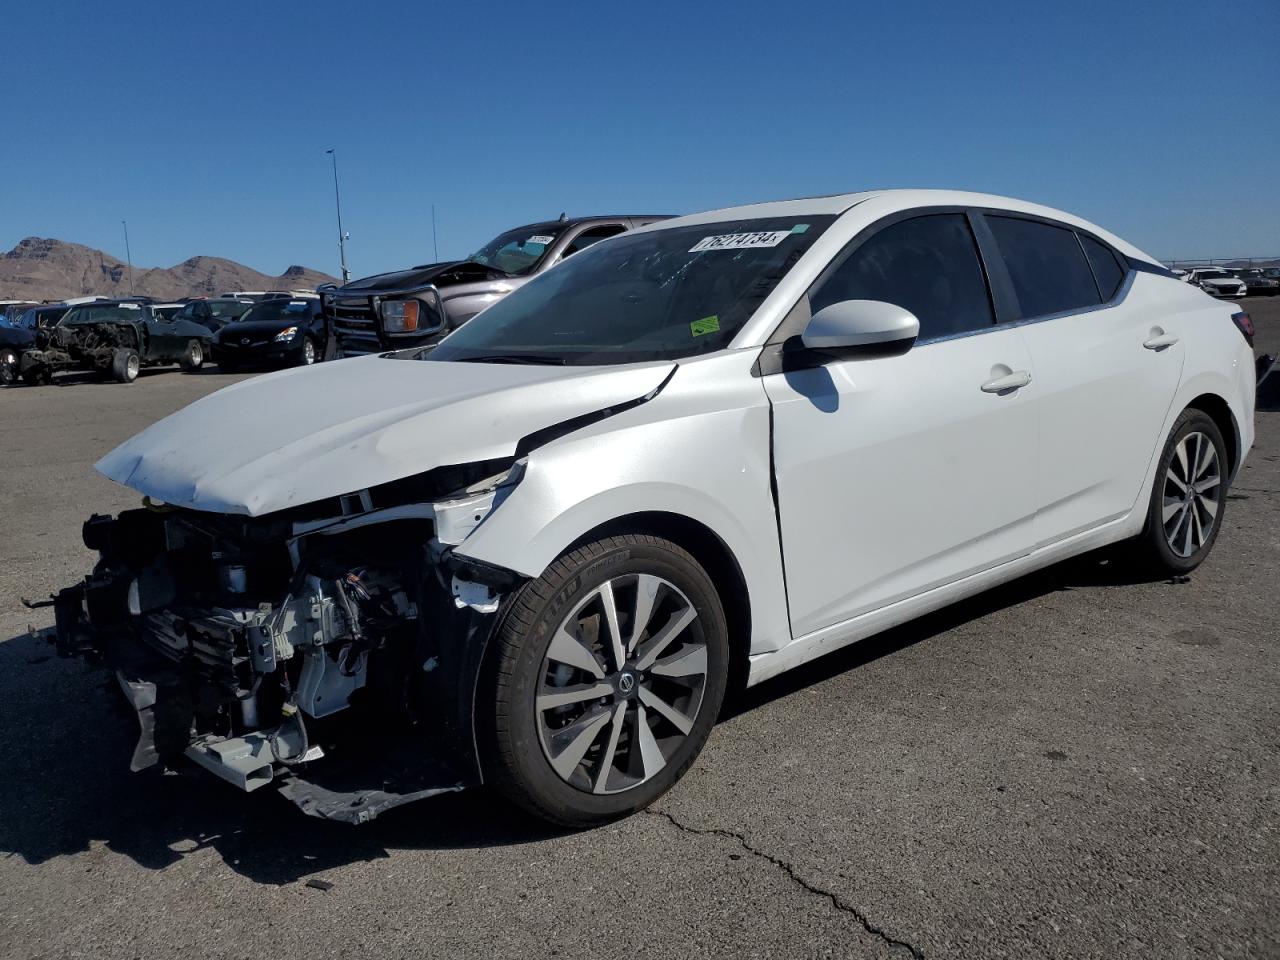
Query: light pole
x=342, y=237
x=127, y=255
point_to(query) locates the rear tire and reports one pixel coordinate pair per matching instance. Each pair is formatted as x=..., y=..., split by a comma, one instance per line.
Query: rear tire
x=1188, y=498
x=579, y=758
x=193, y=359
x=125, y=364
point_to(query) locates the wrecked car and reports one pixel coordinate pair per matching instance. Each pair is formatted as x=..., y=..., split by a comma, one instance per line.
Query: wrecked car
x=116, y=339
x=538, y=554
x=421, y=305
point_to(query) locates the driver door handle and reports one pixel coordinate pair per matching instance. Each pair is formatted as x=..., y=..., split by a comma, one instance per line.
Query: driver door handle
x=1160, y=342
x=1019, y=378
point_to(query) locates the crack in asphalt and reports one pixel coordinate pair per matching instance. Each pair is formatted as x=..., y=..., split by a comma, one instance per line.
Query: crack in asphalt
x=891, y=941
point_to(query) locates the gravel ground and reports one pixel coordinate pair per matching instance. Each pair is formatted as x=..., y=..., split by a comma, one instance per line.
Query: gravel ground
x=1071, y=766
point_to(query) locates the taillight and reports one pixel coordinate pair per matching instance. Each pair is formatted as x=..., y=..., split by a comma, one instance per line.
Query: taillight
x=1244, y=324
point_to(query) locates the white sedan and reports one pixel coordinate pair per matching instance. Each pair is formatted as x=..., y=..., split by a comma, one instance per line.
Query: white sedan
x=695, y=455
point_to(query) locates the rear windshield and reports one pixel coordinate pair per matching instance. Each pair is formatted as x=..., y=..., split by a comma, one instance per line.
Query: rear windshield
x=657, y=295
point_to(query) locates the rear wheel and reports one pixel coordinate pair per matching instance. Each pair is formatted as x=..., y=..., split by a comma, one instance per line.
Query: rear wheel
x=1188, y=498
x=607, y=676
x=125, y=364
x=193, y=359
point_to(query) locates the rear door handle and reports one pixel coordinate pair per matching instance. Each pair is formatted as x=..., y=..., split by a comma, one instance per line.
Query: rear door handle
x=1012, y=381
x=1160, y=342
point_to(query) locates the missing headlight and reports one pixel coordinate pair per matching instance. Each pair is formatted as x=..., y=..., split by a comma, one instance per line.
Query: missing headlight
x=463, y=510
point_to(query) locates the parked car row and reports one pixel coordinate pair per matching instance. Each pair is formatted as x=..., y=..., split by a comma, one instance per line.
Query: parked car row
x=118, y=338
x=1234, y=282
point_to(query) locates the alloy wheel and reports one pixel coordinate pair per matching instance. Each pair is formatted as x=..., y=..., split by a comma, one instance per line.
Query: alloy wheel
x=621, y=684
x=308, y=352
x=1192, y=487
x=132, y=366
x=195, y=356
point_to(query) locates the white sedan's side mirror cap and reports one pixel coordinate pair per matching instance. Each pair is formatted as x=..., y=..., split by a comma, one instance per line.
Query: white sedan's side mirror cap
x=870, y=326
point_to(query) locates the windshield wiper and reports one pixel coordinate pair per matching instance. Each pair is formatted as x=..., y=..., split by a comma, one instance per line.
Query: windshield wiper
x=542, y=358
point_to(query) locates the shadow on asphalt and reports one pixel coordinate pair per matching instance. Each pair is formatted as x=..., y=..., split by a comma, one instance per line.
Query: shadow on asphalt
x=68, y=737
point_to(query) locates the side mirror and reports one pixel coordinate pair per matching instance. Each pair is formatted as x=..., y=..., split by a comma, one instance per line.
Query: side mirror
x=861, y=328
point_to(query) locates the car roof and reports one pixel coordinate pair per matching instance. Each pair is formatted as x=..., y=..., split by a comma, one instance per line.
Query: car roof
x=578, y=221
x=885, y=202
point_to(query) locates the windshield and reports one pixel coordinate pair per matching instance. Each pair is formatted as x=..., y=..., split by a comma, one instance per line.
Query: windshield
x=1215, y=275
x=658, y=295
x=115, y=312
x=278, y=310
x=516, y=252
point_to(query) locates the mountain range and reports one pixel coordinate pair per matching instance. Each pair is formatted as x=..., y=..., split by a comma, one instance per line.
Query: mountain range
x=43, y=269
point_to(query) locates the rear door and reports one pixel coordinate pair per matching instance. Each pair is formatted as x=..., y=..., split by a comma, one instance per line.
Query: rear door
x=899, y=474
x=1106, y=371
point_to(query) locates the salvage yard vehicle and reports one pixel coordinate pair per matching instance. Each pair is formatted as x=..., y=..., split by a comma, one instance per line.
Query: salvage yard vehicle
x=115, y=338
x=1257, y=283
x=1217, y=282
x=14, y=341
x=537, y=554
x=421, y=305
x=274, y=332
x=216, y=313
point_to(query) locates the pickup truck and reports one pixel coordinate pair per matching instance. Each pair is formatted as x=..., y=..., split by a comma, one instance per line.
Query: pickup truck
x=419, y=306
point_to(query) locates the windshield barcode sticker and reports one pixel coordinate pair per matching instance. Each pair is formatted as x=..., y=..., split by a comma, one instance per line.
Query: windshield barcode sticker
x=740, y=241
x=540, y=239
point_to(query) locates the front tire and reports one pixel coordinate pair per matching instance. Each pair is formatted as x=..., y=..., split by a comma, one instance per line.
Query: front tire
x=605, y=680
x=1188, y=498
x=308, y=355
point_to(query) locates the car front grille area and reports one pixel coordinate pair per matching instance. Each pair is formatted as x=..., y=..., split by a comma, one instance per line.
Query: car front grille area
x=355, y=324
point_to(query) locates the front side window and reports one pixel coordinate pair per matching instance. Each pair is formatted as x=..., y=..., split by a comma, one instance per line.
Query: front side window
x=928, y=265
x=1106, y=269
x=587, y=237
x=1046, y=265
x=649, y=295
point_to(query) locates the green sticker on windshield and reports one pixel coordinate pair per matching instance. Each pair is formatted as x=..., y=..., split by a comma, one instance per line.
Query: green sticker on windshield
x=800, y=228
x=704, y=326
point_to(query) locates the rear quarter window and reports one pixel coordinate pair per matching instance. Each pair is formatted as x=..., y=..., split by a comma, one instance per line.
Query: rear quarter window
x=1046, y=265
x=1106, y=267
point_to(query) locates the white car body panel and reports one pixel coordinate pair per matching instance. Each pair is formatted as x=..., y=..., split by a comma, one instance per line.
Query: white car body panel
x=302, y=435
x=897, y=474
x=1092, y=368
x=869, y=537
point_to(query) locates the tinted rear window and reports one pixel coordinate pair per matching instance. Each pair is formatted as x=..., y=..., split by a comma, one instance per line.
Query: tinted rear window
x=1047, y=266
x=1106, y=268
x=929, y=265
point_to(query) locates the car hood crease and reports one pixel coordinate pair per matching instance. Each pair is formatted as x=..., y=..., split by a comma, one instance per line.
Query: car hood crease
x=290, y=438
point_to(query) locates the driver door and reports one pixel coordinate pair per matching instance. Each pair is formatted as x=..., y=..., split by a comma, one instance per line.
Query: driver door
x=896, y=475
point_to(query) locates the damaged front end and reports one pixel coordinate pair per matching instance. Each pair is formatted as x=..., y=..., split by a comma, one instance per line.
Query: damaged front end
x=331, y=651
x=87, y=346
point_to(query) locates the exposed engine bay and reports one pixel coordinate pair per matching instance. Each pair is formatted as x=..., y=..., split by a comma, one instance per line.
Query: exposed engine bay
x=91, y=346
x=275, y=650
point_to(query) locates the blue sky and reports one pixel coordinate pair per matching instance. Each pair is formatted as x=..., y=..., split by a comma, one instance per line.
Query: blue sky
x=206, y=124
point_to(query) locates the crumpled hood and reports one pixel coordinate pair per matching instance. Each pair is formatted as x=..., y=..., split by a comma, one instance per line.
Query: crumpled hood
x=399, y=279
x=294, y=437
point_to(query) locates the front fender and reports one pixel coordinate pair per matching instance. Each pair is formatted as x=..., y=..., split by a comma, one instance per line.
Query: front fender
x=699, y=450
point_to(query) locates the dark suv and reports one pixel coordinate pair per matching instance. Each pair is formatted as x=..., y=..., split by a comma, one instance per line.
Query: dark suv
x=418, y=306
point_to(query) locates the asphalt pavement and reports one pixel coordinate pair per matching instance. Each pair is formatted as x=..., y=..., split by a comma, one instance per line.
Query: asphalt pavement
x=1074, y=765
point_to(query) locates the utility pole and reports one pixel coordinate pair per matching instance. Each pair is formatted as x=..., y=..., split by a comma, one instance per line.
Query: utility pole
x=435, y=247
x=127, y=255
x=337, y=200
